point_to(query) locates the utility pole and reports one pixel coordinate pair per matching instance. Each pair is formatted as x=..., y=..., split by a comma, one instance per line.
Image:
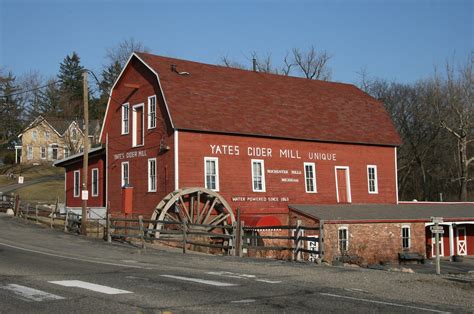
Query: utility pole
x=85, y=142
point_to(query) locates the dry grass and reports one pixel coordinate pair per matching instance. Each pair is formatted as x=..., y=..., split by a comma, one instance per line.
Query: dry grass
x=43, y=192
x=27, y=171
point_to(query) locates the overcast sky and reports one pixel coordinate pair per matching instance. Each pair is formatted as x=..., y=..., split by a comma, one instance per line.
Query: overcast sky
x=396, y=40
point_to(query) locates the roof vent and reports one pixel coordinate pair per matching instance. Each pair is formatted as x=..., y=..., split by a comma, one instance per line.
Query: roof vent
x=175, y=70
x=254, y=64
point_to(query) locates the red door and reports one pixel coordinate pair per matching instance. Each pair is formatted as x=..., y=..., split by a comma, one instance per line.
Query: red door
x=139, y=139
x=342, y=186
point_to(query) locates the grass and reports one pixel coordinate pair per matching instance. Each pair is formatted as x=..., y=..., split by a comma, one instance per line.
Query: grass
x=42, y=192
x=27, y=171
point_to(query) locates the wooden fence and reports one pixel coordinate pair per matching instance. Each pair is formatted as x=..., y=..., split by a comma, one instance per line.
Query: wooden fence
x=237, y=239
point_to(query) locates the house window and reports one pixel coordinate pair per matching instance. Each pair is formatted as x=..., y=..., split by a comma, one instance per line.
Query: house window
x=95, y=182
x=46, y=135
x=372, y=179
x=310, y=177
x=35, y=135
x=258, y=175
x=74, y=135
x=138, y=127
x=54, y=148
x=77, y=182
x=125, y=173
x=343, y=240
x=151, y=112
x=43, y=152
x=29, y=152
x=406, y=237
x=152, y=175
x=125, y=117
x=66, y=152
x=211, y=173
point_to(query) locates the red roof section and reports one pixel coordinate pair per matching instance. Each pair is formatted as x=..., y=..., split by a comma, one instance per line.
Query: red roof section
x=221, y=99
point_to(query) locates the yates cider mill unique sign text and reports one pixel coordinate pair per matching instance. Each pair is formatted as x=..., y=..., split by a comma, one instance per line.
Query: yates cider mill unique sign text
x=251, y=151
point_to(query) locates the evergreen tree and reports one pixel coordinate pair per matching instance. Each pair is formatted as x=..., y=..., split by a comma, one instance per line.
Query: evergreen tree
x=51, y=100
x=70, y=74
x=11, y=110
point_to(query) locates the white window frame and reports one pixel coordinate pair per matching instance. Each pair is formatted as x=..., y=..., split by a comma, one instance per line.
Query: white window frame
x=77, y=183
x=339, y=239
x=348, y=183
x=376, y=183
x=122, y=172
x=408, y=237
x=313, y=179
x=34, y=136
x=125, y=118
x=151, y=180
x=54, y=146
x=151, y=114
x=216, y=164
x=43, y=152
x=134, y=125
x=29, y=152
x=262, y=162
x=46, y=135
x=95, y=171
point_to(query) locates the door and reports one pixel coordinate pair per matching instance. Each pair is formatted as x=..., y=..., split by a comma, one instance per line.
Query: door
x=343, y=191
x=433, y=245
x=461, y=240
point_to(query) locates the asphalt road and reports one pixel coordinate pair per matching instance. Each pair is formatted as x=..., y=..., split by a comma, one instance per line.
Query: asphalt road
x=46, y=271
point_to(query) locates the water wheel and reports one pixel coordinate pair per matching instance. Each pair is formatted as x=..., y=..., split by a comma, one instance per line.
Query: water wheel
x=199, y=209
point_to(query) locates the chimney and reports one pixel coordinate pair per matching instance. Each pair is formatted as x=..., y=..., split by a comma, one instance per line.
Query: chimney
x=173, y=68
x=254, y=61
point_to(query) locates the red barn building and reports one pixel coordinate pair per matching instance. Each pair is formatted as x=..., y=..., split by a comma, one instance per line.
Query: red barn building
x=262, y=141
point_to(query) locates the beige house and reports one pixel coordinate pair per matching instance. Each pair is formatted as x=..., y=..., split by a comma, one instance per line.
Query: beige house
x=45, y=140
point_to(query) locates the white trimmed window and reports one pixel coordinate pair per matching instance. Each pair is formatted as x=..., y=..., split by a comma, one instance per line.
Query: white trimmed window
x=372, y=179
x=35, y=135
x=211, y=173
x=125, y=173
x=43, y=152
x=152, y=175
x=125, y=118
x=152, y=112
x=46, y=135
x=258, y=175
x=29, y=152
x=343, y=239
x=77, y=183
x=95, y=182
x=406, y=240
x=310, y=177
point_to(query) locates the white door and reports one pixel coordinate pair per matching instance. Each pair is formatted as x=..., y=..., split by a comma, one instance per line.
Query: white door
x=461, y=240
x=433, y=245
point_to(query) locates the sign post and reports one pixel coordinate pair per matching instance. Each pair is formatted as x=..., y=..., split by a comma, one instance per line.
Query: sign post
x=437, y=230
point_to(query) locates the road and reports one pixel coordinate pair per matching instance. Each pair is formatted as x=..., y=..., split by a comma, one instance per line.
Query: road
x=46, y=271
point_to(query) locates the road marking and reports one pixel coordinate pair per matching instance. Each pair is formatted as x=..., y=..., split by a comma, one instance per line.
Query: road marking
x=268, y=281
x=243, y=301
x=381, y=302
x=72, y=258
x=203, y=281
x=230, y=274
x=89, y=286
x=30, y=294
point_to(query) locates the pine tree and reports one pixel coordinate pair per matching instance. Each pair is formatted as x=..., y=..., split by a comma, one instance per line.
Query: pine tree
x=11, y=110
x=70, y=74
x=50, y=100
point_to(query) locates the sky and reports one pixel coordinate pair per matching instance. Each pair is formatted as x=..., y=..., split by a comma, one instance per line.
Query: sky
x=395, y=40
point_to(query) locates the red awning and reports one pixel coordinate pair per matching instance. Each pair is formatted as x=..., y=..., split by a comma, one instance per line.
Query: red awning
x=260, y=221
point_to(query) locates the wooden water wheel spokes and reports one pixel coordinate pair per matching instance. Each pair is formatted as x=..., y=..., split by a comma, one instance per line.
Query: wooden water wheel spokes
x=200, y=209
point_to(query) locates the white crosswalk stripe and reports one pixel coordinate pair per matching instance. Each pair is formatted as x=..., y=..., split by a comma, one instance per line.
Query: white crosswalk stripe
x=30, y=294
x=89, y=286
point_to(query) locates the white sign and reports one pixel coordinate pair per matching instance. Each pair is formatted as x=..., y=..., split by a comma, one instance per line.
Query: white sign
x=20, y=180
x=85, y=195
x=436, y=228
x=437, y=220
x=437, y=231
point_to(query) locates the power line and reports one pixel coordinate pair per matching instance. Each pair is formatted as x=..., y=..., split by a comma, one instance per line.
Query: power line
x=31, y=90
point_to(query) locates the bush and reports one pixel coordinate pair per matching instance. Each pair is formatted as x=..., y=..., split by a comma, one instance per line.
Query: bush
x=9, y=158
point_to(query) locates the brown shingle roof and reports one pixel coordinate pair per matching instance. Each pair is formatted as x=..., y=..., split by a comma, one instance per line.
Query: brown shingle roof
x=220, y=99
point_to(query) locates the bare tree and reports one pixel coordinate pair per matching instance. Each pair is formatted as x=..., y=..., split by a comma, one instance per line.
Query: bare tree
x=123, y=50
x=313, y=64
x=455, y=108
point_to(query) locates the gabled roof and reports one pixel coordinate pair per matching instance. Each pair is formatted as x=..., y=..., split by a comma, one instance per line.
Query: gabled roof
x=76, y=158
x=226, y=100
x=60, y=126
x=388, y=212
